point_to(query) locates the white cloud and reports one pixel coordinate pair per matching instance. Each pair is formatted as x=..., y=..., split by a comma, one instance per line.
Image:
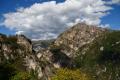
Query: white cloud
x=47, y=20
x=105, y=26
x=19, y=32
x=114, y=2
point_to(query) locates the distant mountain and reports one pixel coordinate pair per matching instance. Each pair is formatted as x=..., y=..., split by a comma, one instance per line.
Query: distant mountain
x=41, y=44
x=90, y=49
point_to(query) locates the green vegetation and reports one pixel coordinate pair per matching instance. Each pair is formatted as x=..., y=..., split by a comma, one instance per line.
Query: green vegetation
x=68, y=74
x=10, y=68
x=16, y=71
x=102, y=58
x=21, y=76
x=6, y=72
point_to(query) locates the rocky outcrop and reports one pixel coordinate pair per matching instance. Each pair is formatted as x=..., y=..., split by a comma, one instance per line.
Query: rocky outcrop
x=13, y=45
x=17, y=50
x=25, y=42
x=78, y=36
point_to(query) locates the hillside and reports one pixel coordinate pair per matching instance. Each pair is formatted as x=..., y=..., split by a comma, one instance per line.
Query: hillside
x=83, y=52
x=17, y=59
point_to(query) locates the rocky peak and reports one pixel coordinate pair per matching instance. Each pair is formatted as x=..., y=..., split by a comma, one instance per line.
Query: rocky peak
x=78, y=36
x=13, y=46
x=24, y=41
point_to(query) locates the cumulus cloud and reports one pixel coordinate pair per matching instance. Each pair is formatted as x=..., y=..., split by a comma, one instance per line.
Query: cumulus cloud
x=48, y=19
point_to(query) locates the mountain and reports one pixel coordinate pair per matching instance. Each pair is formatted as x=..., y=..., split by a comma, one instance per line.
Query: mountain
x=78, y=36
x=41, y=44
x=88, y=48
x=91, y=50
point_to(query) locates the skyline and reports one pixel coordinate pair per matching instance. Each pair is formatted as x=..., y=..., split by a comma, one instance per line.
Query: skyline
x=106, y=14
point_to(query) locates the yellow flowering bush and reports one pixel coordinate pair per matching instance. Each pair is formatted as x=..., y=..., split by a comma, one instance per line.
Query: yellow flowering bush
x=68, y=74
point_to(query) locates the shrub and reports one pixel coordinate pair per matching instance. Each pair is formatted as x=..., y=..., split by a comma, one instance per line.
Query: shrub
x=6, y=72
x=21, y=76
x=68, y=74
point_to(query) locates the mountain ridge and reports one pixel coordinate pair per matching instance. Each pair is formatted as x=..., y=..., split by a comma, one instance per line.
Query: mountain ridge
x=85, y=47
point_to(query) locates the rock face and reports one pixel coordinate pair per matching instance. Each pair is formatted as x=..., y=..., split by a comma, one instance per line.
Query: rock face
x=16, y=53
x=15, y=45
x=78, y=36
x=25, y=42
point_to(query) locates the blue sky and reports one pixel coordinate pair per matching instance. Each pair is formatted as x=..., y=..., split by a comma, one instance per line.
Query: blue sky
x=113, y=18
x=6, y=6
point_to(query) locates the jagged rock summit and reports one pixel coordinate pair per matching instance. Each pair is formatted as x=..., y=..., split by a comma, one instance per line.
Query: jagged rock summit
x=78, y=36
